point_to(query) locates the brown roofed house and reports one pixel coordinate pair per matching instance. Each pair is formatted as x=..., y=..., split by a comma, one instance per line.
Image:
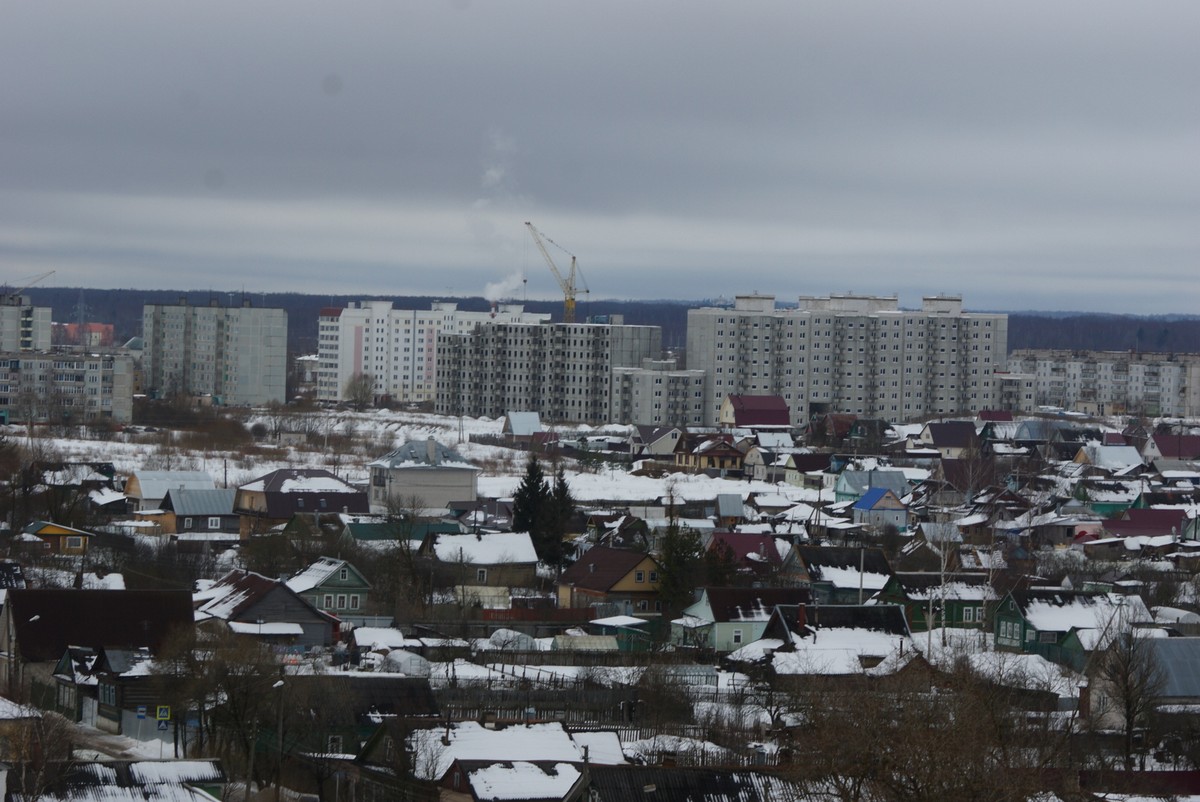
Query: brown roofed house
x=604, y=574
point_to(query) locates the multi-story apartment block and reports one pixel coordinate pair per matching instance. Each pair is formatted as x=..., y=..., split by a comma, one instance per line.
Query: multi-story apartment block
x=850, y=353
x=23, y=326
x=397, y=348
x=658, y=393
x=1112, y=382
x=66, y=388
x=563, y=371
x=238, y=354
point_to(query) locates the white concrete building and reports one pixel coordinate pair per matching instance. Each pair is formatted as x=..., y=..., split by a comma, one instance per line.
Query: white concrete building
x=562, y=371
x=236, y=354
x=658, y=393
x=66, y=388
x=1112, y=382
x=23, y=326
x=850, y=353
x=398, y=348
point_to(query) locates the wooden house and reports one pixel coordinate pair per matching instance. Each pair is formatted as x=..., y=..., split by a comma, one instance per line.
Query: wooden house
x=332, y=586
x=267, y=609
x=273, y=499
x=59, y=539
x=617, y=576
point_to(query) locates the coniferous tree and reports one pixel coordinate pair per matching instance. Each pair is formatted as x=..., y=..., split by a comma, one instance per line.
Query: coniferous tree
x=680, y=566
x=562, y=510
x=531, y=506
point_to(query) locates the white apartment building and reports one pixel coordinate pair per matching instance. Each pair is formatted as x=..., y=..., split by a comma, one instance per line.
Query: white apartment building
x=563, y=371
x=850, y=353
x=398, y=348
x=1112, y=382
x=658, y=393
x=66, y=388
x=238, y=355
x=23, y=326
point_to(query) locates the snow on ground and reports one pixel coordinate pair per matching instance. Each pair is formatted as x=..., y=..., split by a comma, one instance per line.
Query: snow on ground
x=387, y=429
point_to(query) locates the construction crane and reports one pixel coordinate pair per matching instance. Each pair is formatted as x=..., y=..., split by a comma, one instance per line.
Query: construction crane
x=13, y=297
x=567, y=284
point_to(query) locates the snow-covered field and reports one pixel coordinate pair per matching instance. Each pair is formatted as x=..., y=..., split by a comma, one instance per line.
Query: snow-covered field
x=384, y=430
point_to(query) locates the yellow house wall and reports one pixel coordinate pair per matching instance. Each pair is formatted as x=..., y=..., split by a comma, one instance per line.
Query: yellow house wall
x=628, y=583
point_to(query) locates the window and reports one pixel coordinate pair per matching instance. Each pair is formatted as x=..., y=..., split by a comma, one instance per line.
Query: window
x=639, y=576
x=481, y=575
x=1046, y=637
x=187, y=523
x=75, y=542
x=341, y=601
x=344, y=574
x=969, y=614
x=642, y=605
x=654, y=576
x=328, y=601
x=214, y=522
x=737, y=636
x=334, y=744
x=354, y=601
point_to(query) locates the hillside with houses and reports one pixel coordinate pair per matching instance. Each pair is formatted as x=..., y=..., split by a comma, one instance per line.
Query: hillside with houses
x=394, y=605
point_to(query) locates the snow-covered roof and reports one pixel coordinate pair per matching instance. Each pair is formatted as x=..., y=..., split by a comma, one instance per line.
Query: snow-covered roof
x=520, y=780
x=372, y=637
x=427, y=454
x=493, y=549
x=315, y=574
x=266, y=628
x=155, y=484
x=839, y=651
x=470, y=740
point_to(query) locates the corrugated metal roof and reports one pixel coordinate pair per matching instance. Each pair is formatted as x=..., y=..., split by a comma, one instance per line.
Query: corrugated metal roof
x=190, y=501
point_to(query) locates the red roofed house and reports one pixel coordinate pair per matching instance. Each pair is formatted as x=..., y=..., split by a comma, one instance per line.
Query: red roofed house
x=1151, y=522
x=749, y=411
x=755, y=557
x=1172, y=446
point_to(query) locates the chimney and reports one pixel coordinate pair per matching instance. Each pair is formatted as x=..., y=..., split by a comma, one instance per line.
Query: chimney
x=431, y=450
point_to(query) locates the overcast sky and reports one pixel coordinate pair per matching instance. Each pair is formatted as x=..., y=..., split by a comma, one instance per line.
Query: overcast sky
x=1026, y=155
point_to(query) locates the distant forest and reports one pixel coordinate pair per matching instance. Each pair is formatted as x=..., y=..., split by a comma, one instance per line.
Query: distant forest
x=123, y=308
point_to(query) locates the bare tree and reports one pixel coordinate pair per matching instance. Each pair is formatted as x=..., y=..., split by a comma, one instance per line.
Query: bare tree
x=359, y=391
x=1131, y=682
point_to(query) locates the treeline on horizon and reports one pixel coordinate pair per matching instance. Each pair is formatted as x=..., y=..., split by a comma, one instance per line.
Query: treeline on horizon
x=1058, y=330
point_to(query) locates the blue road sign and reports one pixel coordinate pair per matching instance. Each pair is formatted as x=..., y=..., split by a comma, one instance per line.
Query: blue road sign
x=141, y=711
x=162, y=725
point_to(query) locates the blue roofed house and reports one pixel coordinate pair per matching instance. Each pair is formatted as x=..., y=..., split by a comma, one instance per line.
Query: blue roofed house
x=878, y=508
x=851, y=484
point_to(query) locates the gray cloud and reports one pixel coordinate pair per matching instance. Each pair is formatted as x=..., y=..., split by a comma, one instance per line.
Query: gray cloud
x=1026, y=155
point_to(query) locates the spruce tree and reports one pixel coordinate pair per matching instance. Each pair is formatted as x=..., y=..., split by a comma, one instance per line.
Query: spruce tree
x=562, y=510
x=531, y=500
